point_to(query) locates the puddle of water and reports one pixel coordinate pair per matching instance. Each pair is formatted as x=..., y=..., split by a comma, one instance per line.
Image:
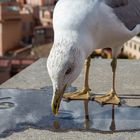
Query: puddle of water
x=6, y=105
x=21, y=109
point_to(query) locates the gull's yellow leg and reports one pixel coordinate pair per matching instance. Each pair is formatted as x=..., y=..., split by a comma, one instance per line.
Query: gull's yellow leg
x=111, y=97
x=84, y=94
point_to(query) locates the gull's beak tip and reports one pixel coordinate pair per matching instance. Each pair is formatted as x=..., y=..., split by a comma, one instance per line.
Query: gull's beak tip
x=54, y=110
x=55, y=104
x=57, y=97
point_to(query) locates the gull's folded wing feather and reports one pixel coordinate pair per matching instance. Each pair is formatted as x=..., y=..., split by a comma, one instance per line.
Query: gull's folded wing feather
x=128, y=11
x=116, y=3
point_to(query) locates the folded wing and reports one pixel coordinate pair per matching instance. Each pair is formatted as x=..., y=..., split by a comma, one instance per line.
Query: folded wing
x=128, y=11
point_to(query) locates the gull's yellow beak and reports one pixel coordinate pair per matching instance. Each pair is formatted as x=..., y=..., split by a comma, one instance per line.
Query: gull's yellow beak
x=56, y=100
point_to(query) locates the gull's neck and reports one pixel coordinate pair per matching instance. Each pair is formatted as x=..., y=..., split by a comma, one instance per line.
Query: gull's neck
x=69, y=36
x=72, y=38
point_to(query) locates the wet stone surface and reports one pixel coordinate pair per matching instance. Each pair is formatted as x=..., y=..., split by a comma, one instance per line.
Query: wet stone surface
x=21, y=109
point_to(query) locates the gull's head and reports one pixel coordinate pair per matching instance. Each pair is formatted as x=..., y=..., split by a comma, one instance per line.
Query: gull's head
x=64, y=65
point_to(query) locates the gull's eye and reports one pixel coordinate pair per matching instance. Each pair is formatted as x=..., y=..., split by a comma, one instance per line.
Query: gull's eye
x=69, y=70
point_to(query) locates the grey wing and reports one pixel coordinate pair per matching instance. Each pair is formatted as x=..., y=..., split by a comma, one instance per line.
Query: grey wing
x=116, y=3
x=128, y=11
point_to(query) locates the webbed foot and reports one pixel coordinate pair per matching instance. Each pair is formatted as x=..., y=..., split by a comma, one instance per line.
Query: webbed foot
x=109, y=98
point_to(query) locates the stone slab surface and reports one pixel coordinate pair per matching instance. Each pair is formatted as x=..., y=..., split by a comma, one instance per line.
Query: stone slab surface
x=127, y=85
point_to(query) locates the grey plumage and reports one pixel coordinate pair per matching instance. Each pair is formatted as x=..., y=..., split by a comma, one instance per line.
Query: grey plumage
x=116, y=3
x=128, y=11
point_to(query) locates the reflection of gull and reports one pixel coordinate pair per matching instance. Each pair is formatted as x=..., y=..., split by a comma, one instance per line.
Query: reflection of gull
x=80, y=27
x=113, y=125
x=87, y=117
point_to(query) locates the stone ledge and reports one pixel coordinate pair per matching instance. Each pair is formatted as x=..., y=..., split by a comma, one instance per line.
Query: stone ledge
x=127, y=79
x=128, y=82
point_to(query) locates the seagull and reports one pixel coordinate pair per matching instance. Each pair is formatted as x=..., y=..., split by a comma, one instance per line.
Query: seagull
x=80, y=27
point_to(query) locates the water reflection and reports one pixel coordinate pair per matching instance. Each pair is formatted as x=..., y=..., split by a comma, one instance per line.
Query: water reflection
x=87, y=117
x=20, y=109
x=113, y=125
